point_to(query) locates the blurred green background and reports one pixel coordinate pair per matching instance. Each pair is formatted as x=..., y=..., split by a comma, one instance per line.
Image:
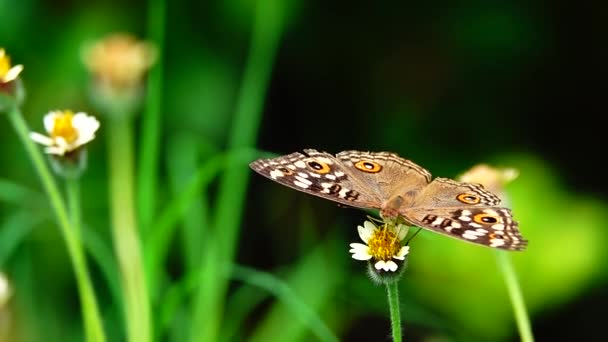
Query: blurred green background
x=448, y=86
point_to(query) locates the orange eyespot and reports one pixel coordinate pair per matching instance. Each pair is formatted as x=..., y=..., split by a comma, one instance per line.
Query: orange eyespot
x=318, y=166
x=368, y=166
x=485, y=219
x=468, y=198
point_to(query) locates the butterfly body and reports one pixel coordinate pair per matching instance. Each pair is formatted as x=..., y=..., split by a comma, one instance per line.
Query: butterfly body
x=399, y=188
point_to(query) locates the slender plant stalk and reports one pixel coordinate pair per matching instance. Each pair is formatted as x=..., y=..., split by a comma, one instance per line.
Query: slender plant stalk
x=73, y=194
x=125, y=231
x=392, y=291
x=208, y=307
x=516, y=296
x=151, y=120
x=92, y=319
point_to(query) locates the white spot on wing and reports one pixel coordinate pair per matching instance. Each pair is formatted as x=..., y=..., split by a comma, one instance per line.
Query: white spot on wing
x=497, y=242
x=276, y=174
x=300, y=164
x=300, y=184
x=332, y=177
x=491, y=212
x=437, y=221
x=343, y=192
x=304, y=181
x=469, y=236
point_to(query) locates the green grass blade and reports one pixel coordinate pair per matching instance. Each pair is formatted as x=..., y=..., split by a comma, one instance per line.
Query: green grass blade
x=268, y=22
x=14, y=230
x=157, y=241
x=151, y=121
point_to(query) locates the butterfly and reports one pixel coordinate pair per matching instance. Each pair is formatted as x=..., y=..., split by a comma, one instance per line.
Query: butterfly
x=399, y=188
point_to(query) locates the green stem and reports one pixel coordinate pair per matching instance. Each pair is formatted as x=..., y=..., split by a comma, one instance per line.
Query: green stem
x=92, y=318
x=124, y=229
x=209, y=304
x=392, y=291
x=516, y=296
x=151, y=120
x=73, y=194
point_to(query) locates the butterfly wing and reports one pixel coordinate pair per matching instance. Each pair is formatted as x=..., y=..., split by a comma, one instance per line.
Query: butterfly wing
x=354, y=178
x=317, y=173
x=465, y=211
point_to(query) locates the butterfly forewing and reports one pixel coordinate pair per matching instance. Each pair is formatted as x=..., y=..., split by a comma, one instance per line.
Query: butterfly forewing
x=319, y=174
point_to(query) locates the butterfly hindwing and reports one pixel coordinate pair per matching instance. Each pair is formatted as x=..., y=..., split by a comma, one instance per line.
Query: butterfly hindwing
x=489, y=226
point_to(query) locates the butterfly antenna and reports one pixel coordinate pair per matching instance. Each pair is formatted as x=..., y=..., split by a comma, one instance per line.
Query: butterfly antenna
x=413, y=236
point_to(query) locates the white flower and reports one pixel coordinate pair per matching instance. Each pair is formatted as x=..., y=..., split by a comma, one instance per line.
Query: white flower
x=8, y=73
x=5, y=290
x=383, y=244
x=67, y=131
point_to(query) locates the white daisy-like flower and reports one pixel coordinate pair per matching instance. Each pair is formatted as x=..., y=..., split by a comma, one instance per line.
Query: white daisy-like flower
x=5, y=290
x=383, y=244
x=8, y=73
x=67, y=131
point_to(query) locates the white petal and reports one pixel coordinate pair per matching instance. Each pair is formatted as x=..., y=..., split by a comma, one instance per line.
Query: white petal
x=366, y=231
x=49, y=120
x=60, y=142
x=41, y=139
x=402, y=253
x=13, y=73
x=360, y=251
x=82, y=140
x=85, y=125
x=55, y=150
x=392, y=266
x=386, y=265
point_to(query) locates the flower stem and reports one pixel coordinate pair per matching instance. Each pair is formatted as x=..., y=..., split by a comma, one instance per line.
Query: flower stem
x=124, y=229
x=392, y=291
x=151, y=120
x=73, y=194
x=92, y=319
x=515, y=294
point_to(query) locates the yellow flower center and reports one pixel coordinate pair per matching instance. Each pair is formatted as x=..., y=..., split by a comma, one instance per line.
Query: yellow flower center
x=384, y=244
x=5, y=65
x=63, y=127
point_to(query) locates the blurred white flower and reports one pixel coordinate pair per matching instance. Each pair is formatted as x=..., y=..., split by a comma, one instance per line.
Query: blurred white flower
x=8, y=72
x=66, y=131
x=5, y=290
x=119, y=60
